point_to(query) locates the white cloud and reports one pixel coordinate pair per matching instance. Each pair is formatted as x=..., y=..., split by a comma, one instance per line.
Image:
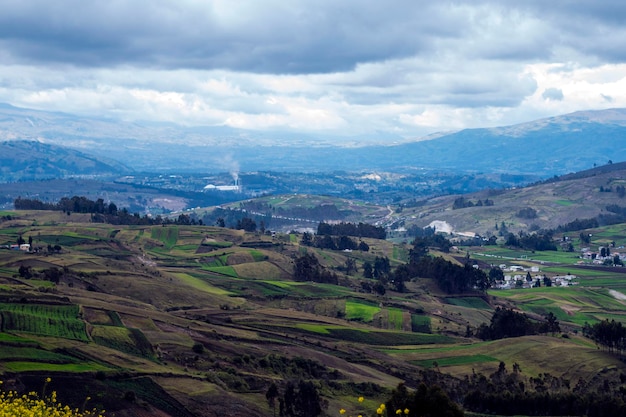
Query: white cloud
x=353, y=67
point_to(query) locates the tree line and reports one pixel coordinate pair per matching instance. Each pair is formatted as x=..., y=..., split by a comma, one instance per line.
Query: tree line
x=333, y=242
x=610, y=335
x=509, y=323
x=351, y=229
x=102, y=212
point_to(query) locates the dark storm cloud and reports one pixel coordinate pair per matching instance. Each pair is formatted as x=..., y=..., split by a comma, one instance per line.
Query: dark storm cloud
x=260, y=37
x=399, y=65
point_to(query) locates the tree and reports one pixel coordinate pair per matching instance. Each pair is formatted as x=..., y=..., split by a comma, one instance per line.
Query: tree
x=246, y=224
x=301, y=400
x=495, y=274
x=551, y=324
x=381, y=267
x=25, y=272
x=307, y=239
x=367, y=270
x=350, y=266
x=271, y=395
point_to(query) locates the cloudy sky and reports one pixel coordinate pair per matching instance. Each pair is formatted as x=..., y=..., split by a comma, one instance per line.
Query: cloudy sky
x=349, y=67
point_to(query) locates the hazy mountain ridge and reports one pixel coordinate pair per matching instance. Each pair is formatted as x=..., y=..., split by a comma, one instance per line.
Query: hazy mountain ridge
x=32, y=160
x=545, y=147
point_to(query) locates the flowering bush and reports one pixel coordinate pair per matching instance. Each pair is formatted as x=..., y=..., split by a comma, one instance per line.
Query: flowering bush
x=381, y=410
x=32, y=405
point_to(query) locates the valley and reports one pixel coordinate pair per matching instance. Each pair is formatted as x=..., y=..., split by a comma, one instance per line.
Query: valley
x=158, y=309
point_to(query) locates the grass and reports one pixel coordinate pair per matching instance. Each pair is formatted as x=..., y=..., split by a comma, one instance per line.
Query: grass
x=453, y=361
x=168, y=235
x=361, y=311
x=16, y=354
x=200, y=284
x=420, y=323
x=223, y=270
x=53, y=367
x=50, y=320
x=130, y=341
x=469, y=302
x=395, y=318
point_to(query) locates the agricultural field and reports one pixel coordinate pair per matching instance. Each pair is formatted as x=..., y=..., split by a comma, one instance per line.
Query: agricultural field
x=219, y=309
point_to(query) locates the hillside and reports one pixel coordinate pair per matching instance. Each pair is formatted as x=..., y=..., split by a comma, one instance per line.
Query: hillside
x=30, y=160
x=178, y=318
x=557, y=201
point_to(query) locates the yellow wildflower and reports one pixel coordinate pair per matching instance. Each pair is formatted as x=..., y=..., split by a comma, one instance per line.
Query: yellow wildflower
x=361, y=399
x=342, y=411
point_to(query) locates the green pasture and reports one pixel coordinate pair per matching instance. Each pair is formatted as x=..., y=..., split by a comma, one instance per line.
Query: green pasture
x=19, y=366
x=499, y=255
x=16, y=340
x=198, y=282
x=454, y=361
x=374, y=337
x=400, y=253
x=574, y=304
x=168, y=235
x=314, y=328
x=565, y=203
x=66, y=239
x=217, y=244
x=388, y=338
x=30, y=354
x=257, y=255
x=395, y=318
x=50, y=320
x=361, y=310
x=131, y=341
x=420, y=323
x=223, y=270
x=469, y=302
x=258, y=270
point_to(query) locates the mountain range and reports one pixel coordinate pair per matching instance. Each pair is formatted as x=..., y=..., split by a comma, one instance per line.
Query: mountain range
x=545, y=147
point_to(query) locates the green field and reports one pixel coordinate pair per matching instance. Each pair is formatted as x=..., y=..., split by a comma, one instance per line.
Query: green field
x=361, y=311
x=50, y=320
x=454, y=361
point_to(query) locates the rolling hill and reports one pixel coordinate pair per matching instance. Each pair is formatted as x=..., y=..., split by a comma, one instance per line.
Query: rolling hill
x=556, y=201
x=176, y=320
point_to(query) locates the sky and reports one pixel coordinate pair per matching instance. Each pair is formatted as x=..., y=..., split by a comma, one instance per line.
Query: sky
x=342, y=67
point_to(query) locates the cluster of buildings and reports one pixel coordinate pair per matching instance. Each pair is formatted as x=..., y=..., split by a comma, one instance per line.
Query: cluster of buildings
x=603, y=256
x=517, y=276
x=23, y=247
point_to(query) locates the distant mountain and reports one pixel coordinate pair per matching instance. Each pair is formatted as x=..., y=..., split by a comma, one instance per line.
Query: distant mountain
x=31, y=160
x=545, y=147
